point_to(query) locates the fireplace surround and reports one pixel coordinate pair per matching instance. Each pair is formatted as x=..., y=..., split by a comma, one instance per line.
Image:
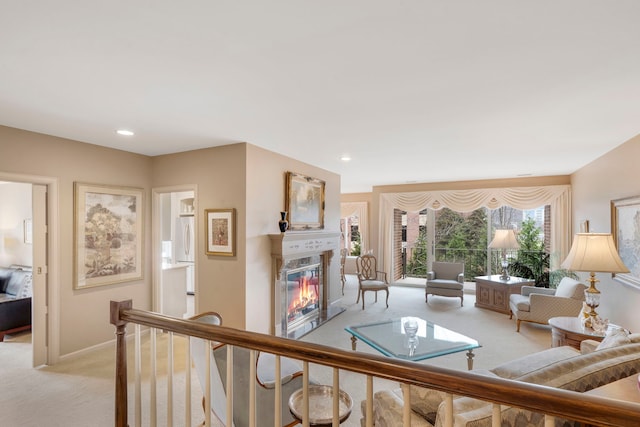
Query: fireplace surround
x=301, y=281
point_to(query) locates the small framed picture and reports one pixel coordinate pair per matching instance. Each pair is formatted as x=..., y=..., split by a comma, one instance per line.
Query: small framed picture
x=220, y=229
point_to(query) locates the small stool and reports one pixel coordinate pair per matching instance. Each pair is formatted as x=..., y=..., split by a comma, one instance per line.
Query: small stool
x=320, y=405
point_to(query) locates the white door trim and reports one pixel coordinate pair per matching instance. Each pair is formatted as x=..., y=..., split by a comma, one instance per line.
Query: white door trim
x=156, y=240
x=52, y=334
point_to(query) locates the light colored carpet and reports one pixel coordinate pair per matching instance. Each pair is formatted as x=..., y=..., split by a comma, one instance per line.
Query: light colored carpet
x=80, y=392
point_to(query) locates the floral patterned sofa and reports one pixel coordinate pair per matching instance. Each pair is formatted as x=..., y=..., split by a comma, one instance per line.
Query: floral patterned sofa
x=561, y=367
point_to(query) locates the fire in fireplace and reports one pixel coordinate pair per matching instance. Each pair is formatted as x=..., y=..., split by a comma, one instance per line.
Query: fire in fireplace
x=303, y=294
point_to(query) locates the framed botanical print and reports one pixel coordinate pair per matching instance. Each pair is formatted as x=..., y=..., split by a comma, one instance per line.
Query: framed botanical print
x=108, y=234
x=220, y=229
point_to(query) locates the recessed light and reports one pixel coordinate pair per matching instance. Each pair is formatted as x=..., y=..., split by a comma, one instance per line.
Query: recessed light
x=124, y=132
x=345, y=158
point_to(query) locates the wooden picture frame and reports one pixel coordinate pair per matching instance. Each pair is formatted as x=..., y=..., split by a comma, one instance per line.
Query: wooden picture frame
x=625, y=228
x=108, y=235
x=220, y=232
x=304, y=202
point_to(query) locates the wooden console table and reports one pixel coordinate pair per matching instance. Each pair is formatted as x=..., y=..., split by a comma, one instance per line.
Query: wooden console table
x=493, y=293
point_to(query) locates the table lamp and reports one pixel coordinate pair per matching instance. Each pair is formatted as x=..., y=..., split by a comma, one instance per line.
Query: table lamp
x=504, y=239
x=595, y=253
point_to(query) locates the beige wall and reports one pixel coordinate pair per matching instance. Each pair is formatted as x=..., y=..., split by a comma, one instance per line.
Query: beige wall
x=219, y=174
x=239, y=176
x=84, y=314
x=266, y=172
x=613, y=176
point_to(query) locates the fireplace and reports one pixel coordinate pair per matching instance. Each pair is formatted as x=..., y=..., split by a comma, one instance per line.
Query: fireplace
x=303, y=294
x=301, y=266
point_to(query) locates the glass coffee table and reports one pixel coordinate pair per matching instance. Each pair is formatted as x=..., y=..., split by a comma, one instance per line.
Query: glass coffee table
x=390, y=338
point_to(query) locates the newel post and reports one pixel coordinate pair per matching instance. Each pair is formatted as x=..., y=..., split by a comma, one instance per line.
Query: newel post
x=121, y=360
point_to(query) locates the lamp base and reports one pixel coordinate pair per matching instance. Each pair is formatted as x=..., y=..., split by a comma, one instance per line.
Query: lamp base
x=505, y=277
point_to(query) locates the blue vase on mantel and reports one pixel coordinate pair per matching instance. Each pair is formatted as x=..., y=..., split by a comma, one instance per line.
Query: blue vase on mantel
x=283, y=223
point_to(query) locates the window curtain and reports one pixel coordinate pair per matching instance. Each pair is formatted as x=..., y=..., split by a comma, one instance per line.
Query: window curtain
x=361, y=210
x=557, y=196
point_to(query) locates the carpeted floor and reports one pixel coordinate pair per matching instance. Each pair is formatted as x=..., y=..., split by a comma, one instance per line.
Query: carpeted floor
x=80, y=392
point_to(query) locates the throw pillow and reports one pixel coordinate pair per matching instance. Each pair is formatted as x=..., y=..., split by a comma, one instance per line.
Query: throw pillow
x=614, y=338
x=567, y=287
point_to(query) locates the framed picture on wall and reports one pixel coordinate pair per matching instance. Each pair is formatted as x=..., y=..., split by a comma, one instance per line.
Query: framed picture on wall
x=304, y=202
x=220, y=229
x=108, y=234
x=625, y=228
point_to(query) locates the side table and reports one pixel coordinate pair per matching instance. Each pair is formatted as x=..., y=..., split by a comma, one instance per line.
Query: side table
x=320, y=405
x=569, y=331
x=493, y=293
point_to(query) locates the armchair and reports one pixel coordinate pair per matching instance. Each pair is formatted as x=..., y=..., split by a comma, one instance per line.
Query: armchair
x=343, y=261
x=290, y=373
x=445, y=279
x=370, y=279
x=538, y=305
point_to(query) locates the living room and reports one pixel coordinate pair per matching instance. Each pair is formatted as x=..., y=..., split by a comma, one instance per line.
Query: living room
x=591, y=199
x=251, y=178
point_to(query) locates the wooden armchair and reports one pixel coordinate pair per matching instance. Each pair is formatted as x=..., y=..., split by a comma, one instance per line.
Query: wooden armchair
x=370, y=278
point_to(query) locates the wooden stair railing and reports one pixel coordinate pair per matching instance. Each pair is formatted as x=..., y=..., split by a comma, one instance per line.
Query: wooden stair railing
x=552, y=402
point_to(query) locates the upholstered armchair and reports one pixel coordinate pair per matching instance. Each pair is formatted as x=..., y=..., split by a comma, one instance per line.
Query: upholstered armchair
x=370, y=279
x=290, y=374
x=538, y=305
x=445, y=279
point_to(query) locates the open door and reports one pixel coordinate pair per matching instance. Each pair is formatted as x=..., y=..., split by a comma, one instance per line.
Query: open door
x=39, y=300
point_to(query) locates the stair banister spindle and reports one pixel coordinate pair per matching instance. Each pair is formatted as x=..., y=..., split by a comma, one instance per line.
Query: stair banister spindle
x=252, y=388
x=406, y=409
x=369, y=404
x=305, y=394
x=448, y=410
x=277, y=419
x=170, y=380
x=207, y=380
x=138, y=380
x=496, y=418
x=187, y=382
x=153, y=411
x=336, y=398
x=230, y=386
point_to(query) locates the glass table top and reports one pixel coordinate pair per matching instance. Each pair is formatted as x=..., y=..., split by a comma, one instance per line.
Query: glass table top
x=390, y=338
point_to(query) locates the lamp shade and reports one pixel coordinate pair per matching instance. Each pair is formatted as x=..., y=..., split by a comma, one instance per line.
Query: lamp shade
x=594, y=252
x=504, y=239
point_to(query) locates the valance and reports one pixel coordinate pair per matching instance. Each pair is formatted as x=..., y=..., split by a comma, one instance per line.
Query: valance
x=359, y=209
x=557, y=196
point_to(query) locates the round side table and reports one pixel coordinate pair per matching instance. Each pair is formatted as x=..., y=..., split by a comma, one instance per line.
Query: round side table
x=320, y=405
x=569, y=331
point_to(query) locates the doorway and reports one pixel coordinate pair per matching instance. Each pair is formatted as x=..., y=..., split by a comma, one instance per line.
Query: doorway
x=27, y=228
x=174, y=237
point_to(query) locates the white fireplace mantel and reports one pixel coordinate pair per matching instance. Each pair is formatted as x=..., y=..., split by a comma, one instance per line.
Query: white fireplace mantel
x=292, y=248
x=285, y=246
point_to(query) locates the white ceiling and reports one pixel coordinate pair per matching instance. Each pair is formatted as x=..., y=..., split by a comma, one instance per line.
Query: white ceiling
x=412, y=90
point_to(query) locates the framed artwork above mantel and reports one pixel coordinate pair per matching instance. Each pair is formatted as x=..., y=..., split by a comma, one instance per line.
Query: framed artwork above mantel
x=304, y=202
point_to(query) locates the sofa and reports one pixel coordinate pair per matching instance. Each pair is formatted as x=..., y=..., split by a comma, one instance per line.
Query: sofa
x=15, y=299
x=595, y=365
